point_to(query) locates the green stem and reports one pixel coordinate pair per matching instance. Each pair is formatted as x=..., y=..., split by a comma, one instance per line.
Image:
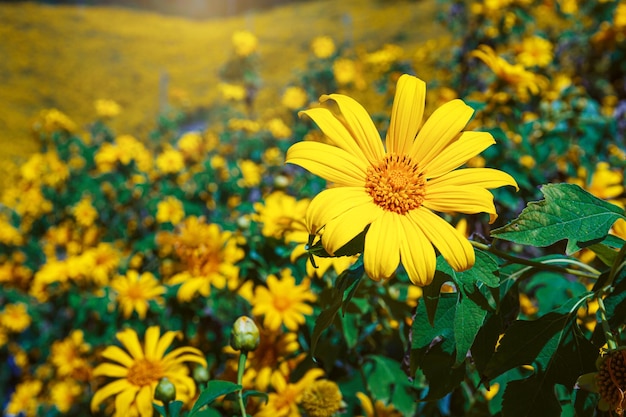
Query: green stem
x=545, y=265
x=243, y=356
x=610, y=339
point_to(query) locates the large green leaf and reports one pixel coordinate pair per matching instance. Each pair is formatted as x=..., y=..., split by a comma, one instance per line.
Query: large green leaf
x=389, y=383
x=214, y=390
x=567, y=212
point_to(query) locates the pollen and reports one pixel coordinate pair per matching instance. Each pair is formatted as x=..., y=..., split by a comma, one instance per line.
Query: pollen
x=396, y=184
x=144, y=372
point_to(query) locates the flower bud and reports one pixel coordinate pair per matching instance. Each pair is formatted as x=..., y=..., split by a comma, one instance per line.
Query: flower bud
x=165, y=391
x=244, y=335
x=200, y=374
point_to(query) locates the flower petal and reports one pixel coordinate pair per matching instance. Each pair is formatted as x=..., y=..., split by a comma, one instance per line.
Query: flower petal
x=348, y=225
x=124, y=400
x=458, y=152
x=164, y=342
x=335, y=131
x=406, y=114
x=151, y=339
x=417, y=253
x=453, y=246
x=108, y=390
x=360, y=124
x=329, y=162
x=479, y=177
x=117, y=354
x=460, y=199
x=331, y=203
x=144, y=401
x=112, y=370
x=128, y=338
x=381, y=255
x=441, y=128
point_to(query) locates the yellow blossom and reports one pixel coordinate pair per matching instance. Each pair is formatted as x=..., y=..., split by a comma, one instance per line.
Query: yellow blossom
x=379, y=409
x=24, y=399
x=278, y=128
x=344, y=70
x=535, y=51
x=69, y=357
x=107, y=108
x=244, y=42
x=84, y=212
x=251, y=173
x=294, y=98
x=15, y=317
x=63, y=394
x=134, y=292
x=170, y=161
x=170, y=210
x=234, y=92
x=287, y=396
x=323, y=47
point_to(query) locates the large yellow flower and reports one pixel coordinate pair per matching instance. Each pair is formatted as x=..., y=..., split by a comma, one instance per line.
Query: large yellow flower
x=139, y=369
x=393, y=192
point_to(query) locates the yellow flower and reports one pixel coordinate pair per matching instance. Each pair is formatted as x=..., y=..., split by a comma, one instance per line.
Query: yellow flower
x=251, y=173
x=323, y=47
x=283, y=302
x=382, y=410
x=392, y=193
x=344, y=71
x=535, y=51
x=52, y=120
x=64, y=394
x=284, y=402
x=244, y=42
x=9, y=235
x=170, y=210
x=234, y=92
x=24, y=399
x=107, y=108
x=281, y=214
x=135, y=291
x=137, y=371
x=15, y=317
x=294, y=98
x=84, y=213
x=321, y=399
x=69, y=357
x=170, y=161
x=278, y=128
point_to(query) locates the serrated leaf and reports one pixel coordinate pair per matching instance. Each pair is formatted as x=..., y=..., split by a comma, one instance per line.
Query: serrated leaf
x=214, y=390
x=468, y=320
x=567, y=212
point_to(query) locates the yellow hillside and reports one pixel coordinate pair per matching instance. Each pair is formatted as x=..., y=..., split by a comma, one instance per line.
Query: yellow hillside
x=67, y=57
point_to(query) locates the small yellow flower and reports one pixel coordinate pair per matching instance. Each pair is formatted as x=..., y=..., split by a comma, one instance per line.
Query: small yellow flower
x=278, y=128
x=170, y=210
x=244, y=42
x=344, y=70
x=137, y=371
x=134, y=292
x=379, y=409
x=535, y=51
x=287, y=396
x=283, y=302
x=69, y=357
x=321, y=399
x=107, y=108
x=64, y=394
x=84, y=212
x=15, y=317
x=323, y=47
x=527, y=161
x=232, y=92
x=251, y=173
x=294, y=98
x=24, y=399
x=170, y=161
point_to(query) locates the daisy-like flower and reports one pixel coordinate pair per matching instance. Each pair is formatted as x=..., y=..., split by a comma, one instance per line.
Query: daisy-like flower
x=287, y=396
x=84, y=212
x=393, y=192
x=139, y=369
x=15, y=317
x=24, y=399
x=170, y=210
x=135, y=291
x=321, y=399
x=283, y=302
x=378, y=409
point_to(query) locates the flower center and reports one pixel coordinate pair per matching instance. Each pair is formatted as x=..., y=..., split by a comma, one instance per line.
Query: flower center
x=282, y=303
x=143, y=372
x=611, y=380
x=396, y=184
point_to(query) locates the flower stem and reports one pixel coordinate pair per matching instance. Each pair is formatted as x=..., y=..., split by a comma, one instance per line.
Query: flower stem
x=608, y=334
x=545, y=265
x=243, y=356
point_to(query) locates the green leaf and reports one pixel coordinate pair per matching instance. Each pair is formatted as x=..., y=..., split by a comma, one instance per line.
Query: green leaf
x=388, y=383
x=608, y=249
x=567, y=212
x=468, y=320
x=346, y=281
x=214, y=390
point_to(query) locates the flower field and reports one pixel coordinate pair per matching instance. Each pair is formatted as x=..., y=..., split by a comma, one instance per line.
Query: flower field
x=363, y=217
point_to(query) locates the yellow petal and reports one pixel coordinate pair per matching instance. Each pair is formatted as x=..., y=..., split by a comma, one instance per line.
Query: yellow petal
x=164, y=342
x=366, y=403
x=144, y=401
x=406, y=114
x=115, y=353
x=441, y=128
x=348, y=225
x=335, y=131
x=453, y=246
x=329, y=162
x=458, y=152
x=128, y=338
x=331, y=203
x=464, y=199
x=479, y=177
x=151, y=339
x=360, y=125
x=112, y=370
x=124, y=400
x=106, y=391
x=382, y=247
x=417, y=253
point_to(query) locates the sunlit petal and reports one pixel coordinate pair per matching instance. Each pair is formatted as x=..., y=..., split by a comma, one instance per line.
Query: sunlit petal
x=124, y=399
x=348, y=225
x=112, y=370
x=478, y=177
x=144, y=401
x=117, y=354
x=151, y=339
x=360, y=124
x=464, y=199
x=381, y=255
x=331, y=203
x=417, y=253
x=453, y=246
x=129, y=339
x=458, y=152
x=406, y=114
x=108, y=390
x=329, y=162
x=164, y=343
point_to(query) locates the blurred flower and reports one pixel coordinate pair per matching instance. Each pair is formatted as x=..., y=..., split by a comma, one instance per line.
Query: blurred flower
x=605, y=183
x=381, y=410
x=344, y=70
x=53, y=120
x=321, y=399
x=323, y=47
x=244, y=42
x=527, y=161
x=392, y=193
x=278, y=128
x=294, y=98
x=84, y=212
x=535, y=51
x=45, y=168
x=107, y=108
x=281, y=215
x=69, y=357
x=9, y=235
x=287, y=396
x=170, y=210
x=382, y=59
x=208, y=257
x=124, y=150
x=24, y=400
x=170, y=161
x=64, y=394
x=134, y=292
x=283, y=302
x=251, y=173
x=232, y=92
x=15, y=317
x=138, y=371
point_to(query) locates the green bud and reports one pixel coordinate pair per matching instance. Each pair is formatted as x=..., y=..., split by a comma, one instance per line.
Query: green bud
x=165, y=391
x=200, y=374
x=244, y=335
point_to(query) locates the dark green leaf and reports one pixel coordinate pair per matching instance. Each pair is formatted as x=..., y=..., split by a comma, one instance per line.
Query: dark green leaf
x=567, y=212
x=389, y=383
x=253, y=393
x=214, y=390
x=468, y=320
